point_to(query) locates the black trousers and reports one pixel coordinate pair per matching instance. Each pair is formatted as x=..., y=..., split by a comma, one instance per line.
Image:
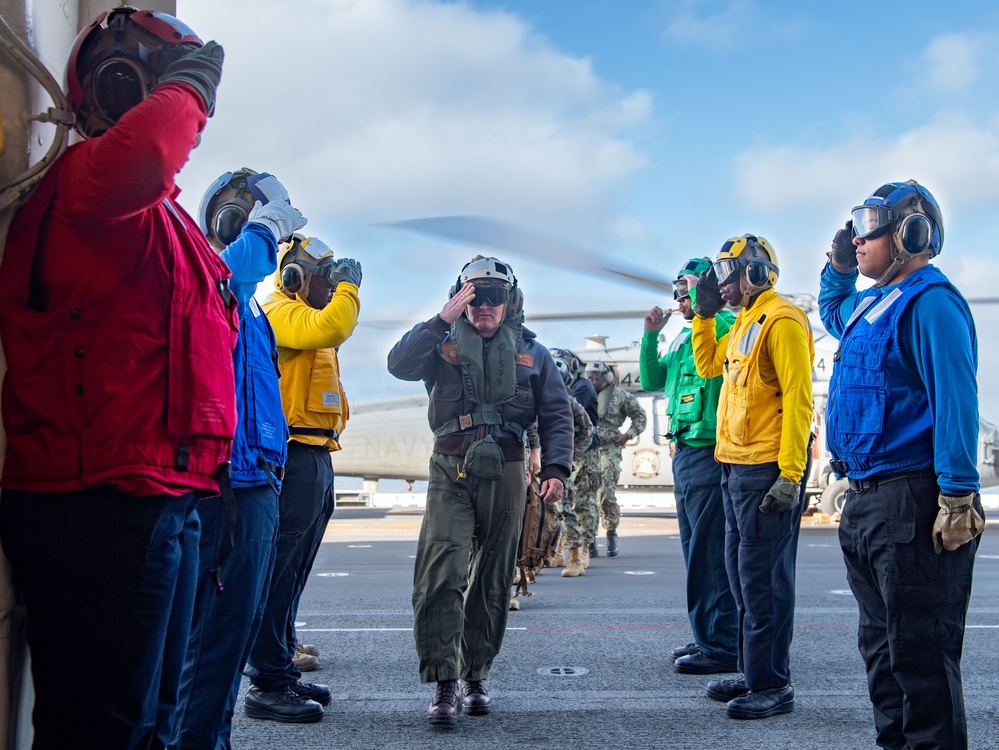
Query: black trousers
x=913, y=605
x=108, y=582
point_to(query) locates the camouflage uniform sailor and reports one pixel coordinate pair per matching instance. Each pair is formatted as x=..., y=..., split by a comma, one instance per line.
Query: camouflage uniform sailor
x=575, y=538
x=614, y=405
x=586, y=462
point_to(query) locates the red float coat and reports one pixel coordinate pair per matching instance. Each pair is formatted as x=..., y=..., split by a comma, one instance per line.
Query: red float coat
x=117, y=333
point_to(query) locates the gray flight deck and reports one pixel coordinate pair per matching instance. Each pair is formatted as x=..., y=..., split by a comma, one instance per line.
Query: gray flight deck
x=584, y=663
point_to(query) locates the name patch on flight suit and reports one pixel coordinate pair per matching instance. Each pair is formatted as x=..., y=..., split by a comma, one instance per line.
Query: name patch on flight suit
x=450, y=353
x=331, y=398
x=686, y=398
x=524, y=359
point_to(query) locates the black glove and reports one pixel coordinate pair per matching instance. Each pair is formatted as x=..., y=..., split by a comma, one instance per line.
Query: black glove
x=844, y=253
x=200, y=68
x=348, y=270
x=707, y=297
x=783, y=495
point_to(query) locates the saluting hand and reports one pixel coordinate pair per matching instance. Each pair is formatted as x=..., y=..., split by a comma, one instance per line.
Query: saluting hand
x=844, y=253
x=457, y=304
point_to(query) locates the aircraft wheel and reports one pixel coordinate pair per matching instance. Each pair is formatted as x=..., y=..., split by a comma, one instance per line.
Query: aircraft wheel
x=834, y=497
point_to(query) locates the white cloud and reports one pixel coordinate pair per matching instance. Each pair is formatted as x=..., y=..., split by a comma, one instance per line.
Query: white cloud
x=954, y=155
x=694, y=25
x=960, y=63
x=951, y=61
x=388, y=109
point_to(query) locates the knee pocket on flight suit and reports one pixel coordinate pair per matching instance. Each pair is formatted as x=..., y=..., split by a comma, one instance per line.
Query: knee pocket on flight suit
x=928, y=593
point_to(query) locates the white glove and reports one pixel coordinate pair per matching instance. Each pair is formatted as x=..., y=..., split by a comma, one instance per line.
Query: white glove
x=282, y=218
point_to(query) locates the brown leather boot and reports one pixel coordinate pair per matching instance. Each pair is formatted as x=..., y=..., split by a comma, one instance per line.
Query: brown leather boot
x=446, y=706
x=475, y=698
x=575, y=566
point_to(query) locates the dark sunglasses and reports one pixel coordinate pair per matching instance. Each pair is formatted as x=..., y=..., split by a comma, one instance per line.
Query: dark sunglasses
x=494, y=294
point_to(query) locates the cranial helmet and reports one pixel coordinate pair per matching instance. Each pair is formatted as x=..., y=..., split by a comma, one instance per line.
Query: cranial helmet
x=227, y=203
x=299, y=260
x=601, y=370
x=575, y=366
x=911, y=213
x=118, y=59
x=480, y=269
x=752, y=257
x=563, y=370
x=693, y=267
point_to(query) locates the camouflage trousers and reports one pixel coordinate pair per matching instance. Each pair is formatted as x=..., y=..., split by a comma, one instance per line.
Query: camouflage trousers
x=585, y=480
x=606, y=495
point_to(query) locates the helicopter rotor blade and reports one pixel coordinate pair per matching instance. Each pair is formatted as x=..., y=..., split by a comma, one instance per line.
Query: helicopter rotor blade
x=549, y=317
x=607, y=315
x=531, y=243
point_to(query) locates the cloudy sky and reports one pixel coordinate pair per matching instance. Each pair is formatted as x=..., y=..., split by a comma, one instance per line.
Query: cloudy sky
x=648, y=131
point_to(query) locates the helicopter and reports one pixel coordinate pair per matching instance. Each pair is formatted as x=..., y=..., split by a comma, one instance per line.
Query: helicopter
x=389, y=438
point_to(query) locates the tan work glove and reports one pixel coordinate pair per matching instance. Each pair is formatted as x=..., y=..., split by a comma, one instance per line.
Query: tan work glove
x=957, y=522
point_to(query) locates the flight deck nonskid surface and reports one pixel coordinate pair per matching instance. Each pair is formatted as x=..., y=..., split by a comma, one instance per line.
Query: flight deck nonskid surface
x=585, y=660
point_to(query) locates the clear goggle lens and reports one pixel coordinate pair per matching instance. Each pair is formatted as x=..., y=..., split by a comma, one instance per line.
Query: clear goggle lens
x=680, y=290
x=725, y=270
x=872, y=221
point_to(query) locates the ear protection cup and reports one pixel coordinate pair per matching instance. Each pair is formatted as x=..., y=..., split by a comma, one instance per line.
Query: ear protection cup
x=293, y=278
x=757, y=274
x=914, y=233
x=516, y=303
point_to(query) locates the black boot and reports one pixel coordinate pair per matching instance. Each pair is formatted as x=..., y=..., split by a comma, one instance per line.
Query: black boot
x=612, y=544
x=594, y=552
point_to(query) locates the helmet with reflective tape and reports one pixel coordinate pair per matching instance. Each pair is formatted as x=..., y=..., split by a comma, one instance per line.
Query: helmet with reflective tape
x=693, y=267
x=481, y=268
x=227, y=203
x=563, y=369
x=749, y=259
x=909, y=211
x=118, y=59
x=298, y=261
x=599, y=370
x=573, y=362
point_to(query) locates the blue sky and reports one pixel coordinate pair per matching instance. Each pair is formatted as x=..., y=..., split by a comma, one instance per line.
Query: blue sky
x=649, y=131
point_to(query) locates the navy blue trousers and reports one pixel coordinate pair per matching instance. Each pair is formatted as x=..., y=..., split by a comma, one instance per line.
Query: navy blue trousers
x=913, y=605
x=234, y=574
x=701, y=515
x=305, y=506
x=108, y=583
x=760, y=555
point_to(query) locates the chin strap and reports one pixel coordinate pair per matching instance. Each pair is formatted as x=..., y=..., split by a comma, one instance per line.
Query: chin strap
x=901, y=256
x=750, y=290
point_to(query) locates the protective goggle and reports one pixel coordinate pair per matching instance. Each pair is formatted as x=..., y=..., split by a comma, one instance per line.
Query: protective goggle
x=872, y=221
x=726, y=269
x=119, y=84
x=494, y=294
x=293, y=279
x=680, y=290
